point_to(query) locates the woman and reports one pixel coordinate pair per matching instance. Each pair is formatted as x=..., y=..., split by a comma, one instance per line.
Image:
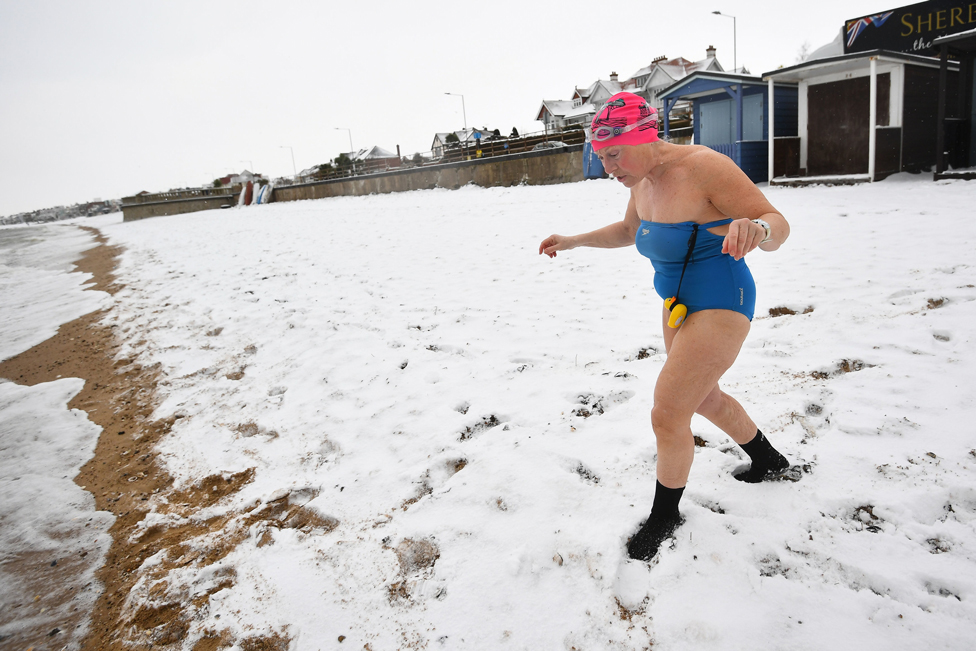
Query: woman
x=695, y=215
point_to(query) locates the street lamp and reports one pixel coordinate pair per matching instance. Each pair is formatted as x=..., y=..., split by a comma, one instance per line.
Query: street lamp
x=350, y=136
x=250, y=163
x=463, y=112
x=735, y=63
x=293, y=168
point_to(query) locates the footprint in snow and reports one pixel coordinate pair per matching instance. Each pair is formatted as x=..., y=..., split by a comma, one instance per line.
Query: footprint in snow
x=486, y=423
x=596, y=405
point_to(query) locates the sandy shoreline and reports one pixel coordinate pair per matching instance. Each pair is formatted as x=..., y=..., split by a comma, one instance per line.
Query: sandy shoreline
x=122, y=476
x=118, y=398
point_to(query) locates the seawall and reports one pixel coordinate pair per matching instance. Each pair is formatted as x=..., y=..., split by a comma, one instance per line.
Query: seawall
x=547, y=167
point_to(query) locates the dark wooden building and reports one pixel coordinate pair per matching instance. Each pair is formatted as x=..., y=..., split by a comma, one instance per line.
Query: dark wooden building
x=866, y=115
x=956, y=137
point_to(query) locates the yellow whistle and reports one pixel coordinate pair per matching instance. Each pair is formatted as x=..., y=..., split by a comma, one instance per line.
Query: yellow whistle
x=678, y=312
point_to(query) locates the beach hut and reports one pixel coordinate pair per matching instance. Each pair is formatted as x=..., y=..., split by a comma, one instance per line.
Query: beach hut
x=865, y=115
x=956, y=137
x=730, y=114
x=874, y=101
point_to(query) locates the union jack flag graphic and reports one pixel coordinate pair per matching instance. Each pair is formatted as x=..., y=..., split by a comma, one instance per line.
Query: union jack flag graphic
x=855, y=27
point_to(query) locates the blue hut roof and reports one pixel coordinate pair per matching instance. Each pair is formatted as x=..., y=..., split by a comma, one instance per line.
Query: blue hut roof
x=699, y=84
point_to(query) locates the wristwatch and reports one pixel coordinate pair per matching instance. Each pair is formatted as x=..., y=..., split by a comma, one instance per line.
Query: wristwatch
x=766, y=228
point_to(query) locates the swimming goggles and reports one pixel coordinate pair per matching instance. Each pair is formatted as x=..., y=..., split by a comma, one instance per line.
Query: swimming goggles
x=603, y=133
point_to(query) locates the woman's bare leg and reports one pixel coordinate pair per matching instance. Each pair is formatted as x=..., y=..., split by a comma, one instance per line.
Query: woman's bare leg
x=699, y=353
x=720, y=408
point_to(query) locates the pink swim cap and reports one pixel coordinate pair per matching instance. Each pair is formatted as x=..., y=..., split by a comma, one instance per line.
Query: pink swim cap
x=625, y=119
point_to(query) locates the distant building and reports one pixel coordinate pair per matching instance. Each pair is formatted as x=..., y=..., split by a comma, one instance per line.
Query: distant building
x=375, y=156
x=663, y=73
x=243, y=177
x=646, y=82
x=468, y=137
x=560, y=114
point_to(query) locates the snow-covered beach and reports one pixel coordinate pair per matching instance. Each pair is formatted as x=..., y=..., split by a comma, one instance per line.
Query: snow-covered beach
x=446, y=437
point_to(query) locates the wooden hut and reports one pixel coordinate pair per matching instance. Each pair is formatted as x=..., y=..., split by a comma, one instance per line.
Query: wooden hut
x=731, y=115
x=865, y=115
x=956, y=137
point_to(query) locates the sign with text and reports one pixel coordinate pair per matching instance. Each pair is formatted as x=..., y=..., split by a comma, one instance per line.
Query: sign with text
x=909, y=29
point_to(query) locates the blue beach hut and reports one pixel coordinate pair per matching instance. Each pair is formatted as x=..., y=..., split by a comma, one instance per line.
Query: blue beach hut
x=730, y=114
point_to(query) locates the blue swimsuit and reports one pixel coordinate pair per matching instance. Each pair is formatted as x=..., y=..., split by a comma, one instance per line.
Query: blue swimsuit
x=713, y=280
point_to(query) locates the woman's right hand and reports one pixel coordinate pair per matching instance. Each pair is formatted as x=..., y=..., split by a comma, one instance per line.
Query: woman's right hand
x=554, y=243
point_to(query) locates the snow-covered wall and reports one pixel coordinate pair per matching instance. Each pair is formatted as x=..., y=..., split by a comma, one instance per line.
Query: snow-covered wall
x=533, y=168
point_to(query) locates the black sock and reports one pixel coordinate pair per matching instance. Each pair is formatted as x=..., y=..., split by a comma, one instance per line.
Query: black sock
x=659, y=526
x=767, y=463
x=666, y=501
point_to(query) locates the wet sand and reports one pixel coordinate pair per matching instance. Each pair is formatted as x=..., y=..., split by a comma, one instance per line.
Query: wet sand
x=125, y=479
x=118, y=397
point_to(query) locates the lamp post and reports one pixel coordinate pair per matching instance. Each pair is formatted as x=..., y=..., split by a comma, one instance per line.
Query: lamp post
x=293, y=168
x=251, y=163
x=735, y=63
x=463, y=112
x=350, y=136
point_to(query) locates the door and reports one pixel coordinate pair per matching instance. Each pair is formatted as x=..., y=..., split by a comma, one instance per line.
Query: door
x=838, y=115
x=972, y=116
x=716, y=123
x=752, y=117
x=838, y=127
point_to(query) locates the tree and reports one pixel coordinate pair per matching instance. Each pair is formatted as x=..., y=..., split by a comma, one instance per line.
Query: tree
x=217, y=183
x=452, y=138
x=514, y=133
x=417, y=158
x=803, y=52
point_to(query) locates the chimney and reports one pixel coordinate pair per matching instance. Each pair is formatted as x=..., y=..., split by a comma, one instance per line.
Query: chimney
x=710, y=51
x=661, y=58
x=613, y=76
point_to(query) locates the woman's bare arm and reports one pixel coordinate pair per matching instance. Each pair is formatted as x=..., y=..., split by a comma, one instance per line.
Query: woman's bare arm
x=612, y=236
x=734, y=195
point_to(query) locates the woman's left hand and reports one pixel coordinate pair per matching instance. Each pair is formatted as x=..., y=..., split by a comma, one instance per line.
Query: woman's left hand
x=744, y=235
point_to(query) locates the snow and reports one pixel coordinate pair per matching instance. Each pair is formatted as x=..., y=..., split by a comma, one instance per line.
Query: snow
x=410, y=367
x=833, y=49
x=955, y=36
x=827, y=178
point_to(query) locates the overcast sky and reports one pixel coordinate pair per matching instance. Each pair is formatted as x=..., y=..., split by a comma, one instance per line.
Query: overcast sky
x=104, y=99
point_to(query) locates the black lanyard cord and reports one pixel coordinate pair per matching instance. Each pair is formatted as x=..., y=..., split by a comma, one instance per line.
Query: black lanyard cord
x=691, y=249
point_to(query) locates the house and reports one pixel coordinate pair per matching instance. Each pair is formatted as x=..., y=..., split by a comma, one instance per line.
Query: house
x=646, y=82
x=664, y=72
x=376, y=157
x=242, y=178
x=467, y=137
x=553, y=112
x=730, y=114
